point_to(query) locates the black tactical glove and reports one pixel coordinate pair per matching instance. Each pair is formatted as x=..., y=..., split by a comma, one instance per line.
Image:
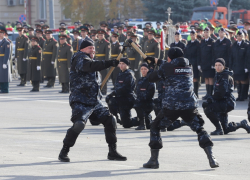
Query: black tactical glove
x=108, y=97
x=112, y=62
x=149, y=60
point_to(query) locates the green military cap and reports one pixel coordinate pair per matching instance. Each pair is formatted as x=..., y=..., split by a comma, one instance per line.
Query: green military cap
x=34, y=38
x=101, y=31
x=145, y=29
x=120, y=27
x=45, y=26
x=129, y=27
x=93, y=31
x=38, y=25
x=151, y=31
x=62, y=29
x=75, y=32
x=103, y=23
x=19, y=28
x=133, y=35
x=39, y=31
x=84, y=28
x=48, y=32
x=157, y=35
x=233, y=28
x=30, y=28
x=86, y=24
x=62, y=36
x=130, y=33
x=3, y=29
x=198, y=29
x=211, y=27
x=114, y=34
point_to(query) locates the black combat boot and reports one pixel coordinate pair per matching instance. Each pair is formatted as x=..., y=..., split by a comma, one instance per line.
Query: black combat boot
x=142, y=125
x=153, y=161
x=63, y=156
x=206, y=96
x=196, y=89
x=114, y=155
x=217, y=132
x=245, y=125
x=118, y=120
x=135, y=122
x=212, y=161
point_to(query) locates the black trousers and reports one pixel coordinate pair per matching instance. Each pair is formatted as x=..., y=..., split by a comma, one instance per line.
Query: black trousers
x=23, y=79
x=4, y=87
x=123, y=107
x=143, y=113
x=191, y=116
x=98, y=113
x=217, y=113
x=51, y=81
x=36, y=85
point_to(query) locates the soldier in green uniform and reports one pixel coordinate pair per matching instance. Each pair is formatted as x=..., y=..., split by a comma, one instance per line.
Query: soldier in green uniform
x=104, y=26
x=41, y=41
x=231, y=35
x=133, y=56
x=11, y=49
x=115, y=51
x=162, y=52
x=31, y=32
x=35, y=56
x=122, y=36
x=21, y=54
x=44, y=28
x=77, y=41
x=151, y=46
x=49, y=58
x=212, y=35
x=65, y=53
x=63, y=25
x=63, y=32
x=38, y=26
x=145, y=38
x=93, y=34
x=102, y=48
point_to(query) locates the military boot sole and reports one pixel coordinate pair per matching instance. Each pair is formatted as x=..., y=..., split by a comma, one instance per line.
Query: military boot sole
x=245, y=126
x=155, y=166
x=117, y=158
x=214, y=164
x=216, y=133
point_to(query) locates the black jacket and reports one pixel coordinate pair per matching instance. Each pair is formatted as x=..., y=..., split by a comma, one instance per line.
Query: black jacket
x=192, y=52
x=206, y=59
x=222, y=49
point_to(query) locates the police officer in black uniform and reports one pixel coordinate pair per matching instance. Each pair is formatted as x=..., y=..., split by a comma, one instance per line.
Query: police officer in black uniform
x=222, y=47
x=222, y=101
x=85, y=100
x=121, y=100
x=238, y=63
x=192, y=53
x=179, y=101
x=206, y=61
x=177, y=42
x=145, y=91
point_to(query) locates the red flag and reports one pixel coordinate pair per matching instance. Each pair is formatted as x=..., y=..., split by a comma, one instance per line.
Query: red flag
x=162, y=40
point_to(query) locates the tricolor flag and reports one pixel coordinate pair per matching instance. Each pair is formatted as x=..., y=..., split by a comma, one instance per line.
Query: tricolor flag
x=162, y=40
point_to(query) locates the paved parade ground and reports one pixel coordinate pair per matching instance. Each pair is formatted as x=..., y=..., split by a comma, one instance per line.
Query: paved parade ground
x=33, y=126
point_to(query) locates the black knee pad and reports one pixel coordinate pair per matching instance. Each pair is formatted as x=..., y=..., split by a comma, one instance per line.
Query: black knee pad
x=78, y=126
x=110, y=122
x=204, y=139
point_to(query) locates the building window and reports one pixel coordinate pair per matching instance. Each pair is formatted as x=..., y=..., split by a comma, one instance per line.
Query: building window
x=42, y=9
x=21, y=2
x=11, y=2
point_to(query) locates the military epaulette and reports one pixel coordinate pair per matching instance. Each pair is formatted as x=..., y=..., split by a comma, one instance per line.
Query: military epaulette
x=25, y=36
x=107, y=41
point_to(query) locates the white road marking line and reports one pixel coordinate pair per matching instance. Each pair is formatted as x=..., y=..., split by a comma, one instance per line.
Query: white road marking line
x=204, y=174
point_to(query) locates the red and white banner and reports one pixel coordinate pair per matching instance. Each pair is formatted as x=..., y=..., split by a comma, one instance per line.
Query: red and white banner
x=162, y=40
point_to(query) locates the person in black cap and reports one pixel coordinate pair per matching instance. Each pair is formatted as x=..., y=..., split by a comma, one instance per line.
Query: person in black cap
x=222, y=47
x=49, y=57
x=102, y=47
x=121, y=100
x=41, y=40
x=145, y=91
x=151, y=46
x=177, y=42
x=84, y=33
x=179, y=100
x=65, y=52
x=122, y=36
x=206, y=62
x=104, y=26
x=35, y=57
x=222, y=101
x=192, y=53
x=76, y=24
x=63, y=32
x=115, y=51
x=4, y=61
x=158, y=29
x=77, y=40
x=31, y=32
x=238, y=63
x=18, y=24
x=85, y=100
x=21, y=55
